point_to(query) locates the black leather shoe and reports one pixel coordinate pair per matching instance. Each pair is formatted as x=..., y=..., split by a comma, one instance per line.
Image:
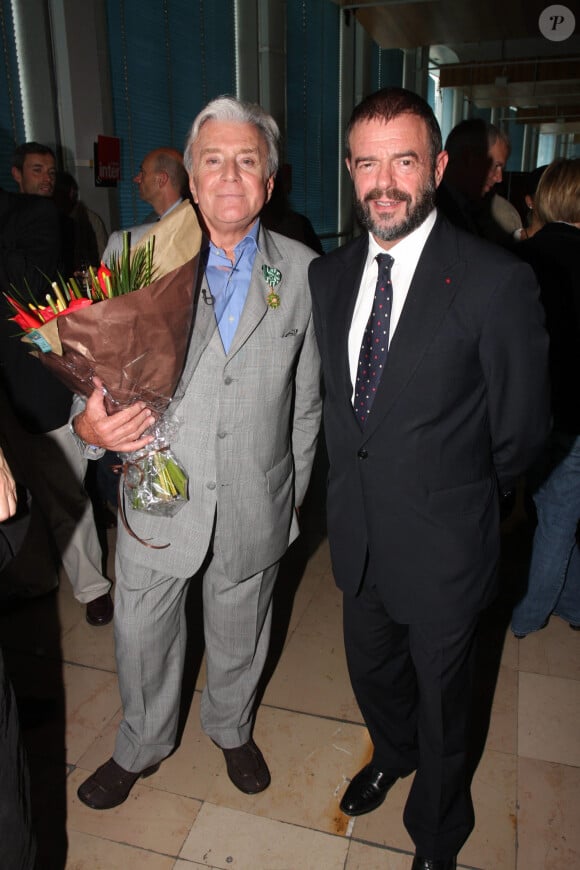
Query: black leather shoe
x=100, y=610
x=246, y=768
x=110, y=785
x=367, y=791
x=420, y=863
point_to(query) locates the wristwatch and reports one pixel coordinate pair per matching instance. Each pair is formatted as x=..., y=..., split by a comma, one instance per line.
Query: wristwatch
x=88, y=451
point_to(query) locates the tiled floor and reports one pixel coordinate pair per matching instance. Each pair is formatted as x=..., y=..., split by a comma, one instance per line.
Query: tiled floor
x=526, y=788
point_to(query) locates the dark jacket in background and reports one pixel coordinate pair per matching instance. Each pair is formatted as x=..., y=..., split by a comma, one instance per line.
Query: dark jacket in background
x=30, y=245
x=554, y=254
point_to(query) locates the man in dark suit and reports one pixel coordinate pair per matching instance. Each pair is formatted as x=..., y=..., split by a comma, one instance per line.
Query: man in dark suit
x=419, y=455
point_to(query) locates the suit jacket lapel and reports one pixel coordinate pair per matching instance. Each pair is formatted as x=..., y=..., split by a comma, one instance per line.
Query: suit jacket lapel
x=255, y=307
x=204, y=324
x=340, y=314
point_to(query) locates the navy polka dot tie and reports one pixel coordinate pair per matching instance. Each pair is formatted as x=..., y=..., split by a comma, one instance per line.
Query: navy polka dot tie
x=375, y=343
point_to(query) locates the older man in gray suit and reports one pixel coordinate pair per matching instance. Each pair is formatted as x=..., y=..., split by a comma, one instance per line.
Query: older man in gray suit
x=250, y=412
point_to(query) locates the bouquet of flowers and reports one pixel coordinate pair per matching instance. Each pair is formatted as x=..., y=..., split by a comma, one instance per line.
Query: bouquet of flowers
x=130, y=328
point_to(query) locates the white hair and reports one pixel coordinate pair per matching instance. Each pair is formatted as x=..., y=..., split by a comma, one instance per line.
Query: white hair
x=230, y=109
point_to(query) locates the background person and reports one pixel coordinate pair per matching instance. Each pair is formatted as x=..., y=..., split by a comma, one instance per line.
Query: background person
x=34, y=409
x=34, y=169
x=554, y=574
x=163, y=183
x=16, y=835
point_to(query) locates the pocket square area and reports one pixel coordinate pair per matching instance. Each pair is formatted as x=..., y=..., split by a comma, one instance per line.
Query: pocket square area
x=290, y=332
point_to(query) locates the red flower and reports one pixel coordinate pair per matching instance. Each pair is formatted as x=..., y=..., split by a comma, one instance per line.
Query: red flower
x=103, y=274
x=74, y=305
x=25, y=319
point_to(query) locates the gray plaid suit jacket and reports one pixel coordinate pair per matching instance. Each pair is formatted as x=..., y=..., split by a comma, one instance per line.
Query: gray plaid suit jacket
x=249, y=425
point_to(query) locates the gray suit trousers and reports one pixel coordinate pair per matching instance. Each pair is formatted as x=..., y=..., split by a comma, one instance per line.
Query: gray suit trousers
x=150, y=644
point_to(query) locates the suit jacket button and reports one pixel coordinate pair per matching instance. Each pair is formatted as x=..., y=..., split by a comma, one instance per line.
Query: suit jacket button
x=362, y=454
x=211, y=485
x=227, y=380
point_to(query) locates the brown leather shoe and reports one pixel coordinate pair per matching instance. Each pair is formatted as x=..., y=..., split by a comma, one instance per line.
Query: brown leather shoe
x=110, y=785
x=246, y=768
x=100, y=610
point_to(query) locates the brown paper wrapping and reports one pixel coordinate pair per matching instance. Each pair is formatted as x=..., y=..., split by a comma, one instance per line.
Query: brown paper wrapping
x=136, y=343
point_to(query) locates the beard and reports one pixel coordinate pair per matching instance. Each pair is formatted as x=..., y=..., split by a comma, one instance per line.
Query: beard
x=383, y=228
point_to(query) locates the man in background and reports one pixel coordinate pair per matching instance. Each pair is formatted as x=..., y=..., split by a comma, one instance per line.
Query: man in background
x=34, y=169
x=478, y=153
x=162, y=182
x=34, y=407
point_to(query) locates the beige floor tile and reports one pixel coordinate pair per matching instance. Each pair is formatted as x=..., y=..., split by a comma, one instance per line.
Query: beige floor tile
x=323, y=687
x=510, y=657
x=324, y=613
x=312, y=735
x=305, y=596
x=95, y=853
x=548, y=829
x=188, y=865
x=296, y=589
x=554, y=651
x=70, y=611
x=492, y=843
x=363, y=857
x=502, y=734
x=90, y=645
x=384, y=826
x=548, y=717
x=309, y=759
x=190, y=771
x=196, y=762
x=149, y=818
x=92, y=699
x=320, y=558
x=227, y=838
x=101, y=748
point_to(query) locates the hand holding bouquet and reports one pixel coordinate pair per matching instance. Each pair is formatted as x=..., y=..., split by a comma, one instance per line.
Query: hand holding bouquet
x=134, y=341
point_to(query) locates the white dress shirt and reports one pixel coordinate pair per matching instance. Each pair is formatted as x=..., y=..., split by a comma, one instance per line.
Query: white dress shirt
x=406, y=255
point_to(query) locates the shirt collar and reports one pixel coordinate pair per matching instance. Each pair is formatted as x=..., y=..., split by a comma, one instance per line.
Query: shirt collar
x=249, y=243
x=414, y=242
x=171, y=207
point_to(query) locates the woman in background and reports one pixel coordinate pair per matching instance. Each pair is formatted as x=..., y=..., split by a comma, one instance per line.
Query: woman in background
x=553, y=252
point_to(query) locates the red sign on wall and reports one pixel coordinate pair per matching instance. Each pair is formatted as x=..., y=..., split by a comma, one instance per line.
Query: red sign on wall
x=107, y=161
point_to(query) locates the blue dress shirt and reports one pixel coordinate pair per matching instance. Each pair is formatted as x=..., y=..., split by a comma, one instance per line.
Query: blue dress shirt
x=229, y=284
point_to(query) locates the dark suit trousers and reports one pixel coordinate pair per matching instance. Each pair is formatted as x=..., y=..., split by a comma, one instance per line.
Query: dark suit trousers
x=413, y=684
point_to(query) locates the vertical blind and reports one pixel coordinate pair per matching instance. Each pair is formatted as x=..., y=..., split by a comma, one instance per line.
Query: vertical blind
x=313, y=78
x=168, y=59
